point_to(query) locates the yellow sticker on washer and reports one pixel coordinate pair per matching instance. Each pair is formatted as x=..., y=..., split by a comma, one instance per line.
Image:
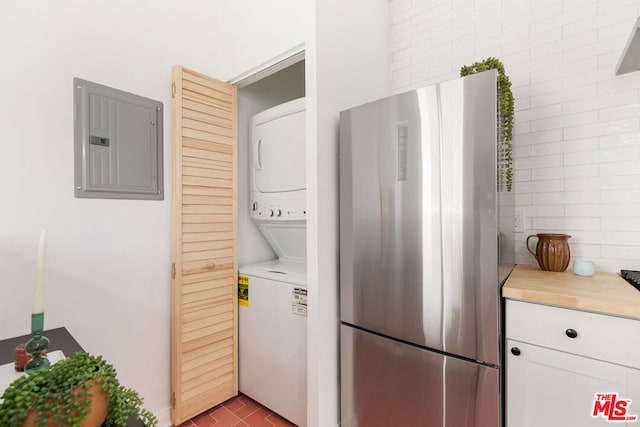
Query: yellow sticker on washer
x=243, y=291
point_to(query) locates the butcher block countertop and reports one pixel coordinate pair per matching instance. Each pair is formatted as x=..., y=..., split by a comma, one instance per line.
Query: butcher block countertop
x=606, y=293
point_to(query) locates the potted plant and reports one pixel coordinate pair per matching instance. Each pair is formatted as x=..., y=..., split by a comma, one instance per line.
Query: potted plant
x=63, y=394
x=505, y=118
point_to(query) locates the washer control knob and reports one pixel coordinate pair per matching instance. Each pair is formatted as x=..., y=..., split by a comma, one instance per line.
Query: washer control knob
x=278, y=212
x=254, y=206
x=271, y=212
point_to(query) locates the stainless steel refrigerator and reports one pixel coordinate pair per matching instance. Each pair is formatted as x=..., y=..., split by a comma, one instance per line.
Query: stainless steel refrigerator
x=420, y=271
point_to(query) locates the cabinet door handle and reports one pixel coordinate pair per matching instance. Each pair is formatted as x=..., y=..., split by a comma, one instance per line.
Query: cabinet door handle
x=515, y=351
x=571, y=333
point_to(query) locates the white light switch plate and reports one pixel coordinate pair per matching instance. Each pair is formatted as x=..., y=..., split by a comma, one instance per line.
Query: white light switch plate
x=518, y=221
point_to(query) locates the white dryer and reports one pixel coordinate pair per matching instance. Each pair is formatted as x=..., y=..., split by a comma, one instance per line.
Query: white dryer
x=278, y=178
x=273, y=295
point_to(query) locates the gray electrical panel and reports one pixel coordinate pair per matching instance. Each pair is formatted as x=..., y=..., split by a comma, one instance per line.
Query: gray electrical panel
x=118, y=143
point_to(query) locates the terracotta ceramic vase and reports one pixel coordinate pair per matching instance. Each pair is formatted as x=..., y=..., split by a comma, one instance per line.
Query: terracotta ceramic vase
x=95, y=418
x=552, y=251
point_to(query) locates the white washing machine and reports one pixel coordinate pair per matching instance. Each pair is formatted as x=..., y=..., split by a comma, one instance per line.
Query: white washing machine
x=273, y=337
x=273, y=295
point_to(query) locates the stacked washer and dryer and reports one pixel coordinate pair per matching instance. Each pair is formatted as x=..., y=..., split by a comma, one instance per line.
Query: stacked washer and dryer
x=273, y=294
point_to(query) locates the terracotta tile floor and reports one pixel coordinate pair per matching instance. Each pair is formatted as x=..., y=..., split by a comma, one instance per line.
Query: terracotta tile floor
x=240, y=411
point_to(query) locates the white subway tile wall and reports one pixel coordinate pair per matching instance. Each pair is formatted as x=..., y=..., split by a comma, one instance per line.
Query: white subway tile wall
x=577, y=131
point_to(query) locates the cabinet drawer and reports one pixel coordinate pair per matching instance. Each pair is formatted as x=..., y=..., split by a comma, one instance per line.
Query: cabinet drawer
x=610, y=338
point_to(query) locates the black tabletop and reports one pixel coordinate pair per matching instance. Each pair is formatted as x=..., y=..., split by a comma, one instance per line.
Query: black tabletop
x=59, y=339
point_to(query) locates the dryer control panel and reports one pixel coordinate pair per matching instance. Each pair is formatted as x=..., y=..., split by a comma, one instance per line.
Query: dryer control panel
x=279, y=207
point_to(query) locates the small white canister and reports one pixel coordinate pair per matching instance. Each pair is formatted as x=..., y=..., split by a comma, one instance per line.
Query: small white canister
x=583, y=268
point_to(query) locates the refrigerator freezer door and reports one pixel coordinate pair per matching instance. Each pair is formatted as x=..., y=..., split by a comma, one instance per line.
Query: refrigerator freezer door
x=418, y=220
x=388, y=383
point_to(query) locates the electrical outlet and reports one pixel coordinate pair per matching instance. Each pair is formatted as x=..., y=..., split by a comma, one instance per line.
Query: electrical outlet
x=518, y=221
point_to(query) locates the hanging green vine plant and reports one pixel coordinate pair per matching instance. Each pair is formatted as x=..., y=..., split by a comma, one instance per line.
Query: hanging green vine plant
x=505, y=118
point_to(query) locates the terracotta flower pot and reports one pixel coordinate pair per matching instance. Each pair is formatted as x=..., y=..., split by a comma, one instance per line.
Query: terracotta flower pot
x=96, y=416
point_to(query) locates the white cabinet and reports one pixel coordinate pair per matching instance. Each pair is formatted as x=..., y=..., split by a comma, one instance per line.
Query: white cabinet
x=558, y=360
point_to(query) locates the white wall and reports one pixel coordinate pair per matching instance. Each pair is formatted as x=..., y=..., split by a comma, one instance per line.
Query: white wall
x=254, y=32
x=577, y=142
x=347, y=65
x=108, y=260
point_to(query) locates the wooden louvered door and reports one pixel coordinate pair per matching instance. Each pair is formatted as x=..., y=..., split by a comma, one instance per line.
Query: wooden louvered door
x=204, y=368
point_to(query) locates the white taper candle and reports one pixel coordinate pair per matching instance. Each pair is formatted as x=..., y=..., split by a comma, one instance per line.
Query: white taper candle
x=38, y=293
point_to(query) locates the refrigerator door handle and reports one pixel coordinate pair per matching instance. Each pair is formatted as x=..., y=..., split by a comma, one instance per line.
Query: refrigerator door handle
x=455, y=313
x=430, y=128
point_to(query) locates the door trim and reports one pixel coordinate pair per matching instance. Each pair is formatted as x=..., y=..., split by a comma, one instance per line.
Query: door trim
x=272, y=66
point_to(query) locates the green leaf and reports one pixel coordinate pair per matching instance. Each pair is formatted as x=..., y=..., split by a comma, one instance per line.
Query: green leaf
x=505, y=109
x=61, y=392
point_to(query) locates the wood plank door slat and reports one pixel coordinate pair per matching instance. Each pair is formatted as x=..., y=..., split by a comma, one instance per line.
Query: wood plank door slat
x=206, y=154
x=207, y=90
x=206, y=145
x=205, y=118
x=203, y=80
x=205, y=100
x=206, y=127
x=204, y=332
x=213, y=112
